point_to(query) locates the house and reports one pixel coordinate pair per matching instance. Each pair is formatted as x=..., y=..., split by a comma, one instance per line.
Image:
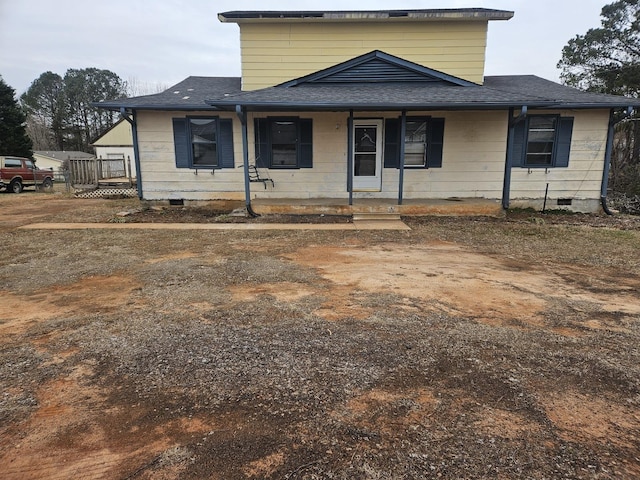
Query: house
x=54, y=159
x=116, y=146
x=389, y=108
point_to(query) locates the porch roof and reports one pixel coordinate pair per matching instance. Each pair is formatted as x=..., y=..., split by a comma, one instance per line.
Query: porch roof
x=389, y=96
x=498, y=92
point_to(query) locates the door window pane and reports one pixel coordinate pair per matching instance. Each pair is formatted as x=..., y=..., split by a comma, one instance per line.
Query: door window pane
x=365, y=165
x=365, y=139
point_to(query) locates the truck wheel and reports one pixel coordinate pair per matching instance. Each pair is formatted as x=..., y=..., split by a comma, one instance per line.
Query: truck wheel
x=16, y=186
x=47, y=184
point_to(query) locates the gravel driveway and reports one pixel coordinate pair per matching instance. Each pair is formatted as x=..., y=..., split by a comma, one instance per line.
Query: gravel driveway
x=462, y=348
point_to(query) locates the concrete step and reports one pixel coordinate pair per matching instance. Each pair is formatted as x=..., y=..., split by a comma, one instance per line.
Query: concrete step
x=375, y=216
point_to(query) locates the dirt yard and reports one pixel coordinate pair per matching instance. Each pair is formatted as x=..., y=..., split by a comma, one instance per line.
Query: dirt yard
x=463, y=348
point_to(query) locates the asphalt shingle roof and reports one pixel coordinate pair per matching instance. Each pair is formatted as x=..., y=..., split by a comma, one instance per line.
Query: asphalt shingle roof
x=189, y=94
x=560, y=93
x=498, y=92
x=378, y=96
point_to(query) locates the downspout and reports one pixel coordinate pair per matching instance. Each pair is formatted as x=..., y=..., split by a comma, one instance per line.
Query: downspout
x=403, y=131
x=506, y=186
x=242, y=115
x=608, y=152
x=136, y=150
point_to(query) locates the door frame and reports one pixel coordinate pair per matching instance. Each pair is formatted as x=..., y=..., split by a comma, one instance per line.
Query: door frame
x=369, y=183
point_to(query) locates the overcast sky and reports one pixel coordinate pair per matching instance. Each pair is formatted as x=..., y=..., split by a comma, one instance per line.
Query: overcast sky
x=165, y=41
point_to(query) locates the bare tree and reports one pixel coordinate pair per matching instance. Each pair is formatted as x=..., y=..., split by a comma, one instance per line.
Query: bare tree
x=136, y=87
x=40, y=134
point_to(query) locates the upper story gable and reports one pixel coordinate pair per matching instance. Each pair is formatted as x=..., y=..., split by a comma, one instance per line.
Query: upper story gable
x=279, y=46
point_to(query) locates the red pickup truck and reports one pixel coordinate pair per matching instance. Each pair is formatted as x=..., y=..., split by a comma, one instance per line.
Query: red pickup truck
x=17, y=173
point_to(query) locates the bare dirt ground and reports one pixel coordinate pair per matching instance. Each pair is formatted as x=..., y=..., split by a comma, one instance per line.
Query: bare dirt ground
x=464, y=348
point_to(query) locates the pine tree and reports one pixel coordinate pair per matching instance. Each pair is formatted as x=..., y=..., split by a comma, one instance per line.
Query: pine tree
x=13, y=134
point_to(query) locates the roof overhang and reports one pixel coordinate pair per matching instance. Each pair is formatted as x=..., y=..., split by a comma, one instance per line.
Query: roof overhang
x=370, y=107
x=129, y=107
x=423, y=15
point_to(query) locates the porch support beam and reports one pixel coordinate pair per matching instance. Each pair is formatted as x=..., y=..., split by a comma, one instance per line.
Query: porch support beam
x=403, y=131
x=242, y=116
x=506, y=185
x=136, y=149
x=350, y=157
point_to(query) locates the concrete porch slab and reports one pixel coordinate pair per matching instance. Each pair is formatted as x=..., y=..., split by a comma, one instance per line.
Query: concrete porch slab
x=340, y=206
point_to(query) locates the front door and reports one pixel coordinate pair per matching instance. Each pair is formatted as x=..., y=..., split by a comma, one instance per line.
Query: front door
x=367, y=155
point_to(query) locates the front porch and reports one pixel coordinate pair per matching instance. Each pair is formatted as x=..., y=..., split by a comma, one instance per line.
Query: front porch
x=340, y=206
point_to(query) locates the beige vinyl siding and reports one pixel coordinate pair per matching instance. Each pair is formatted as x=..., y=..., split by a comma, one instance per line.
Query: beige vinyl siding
x=473, y=162
x=582, y=180
x=44, y=162
x=119, y=135
x=273, y=53
x=328, y=177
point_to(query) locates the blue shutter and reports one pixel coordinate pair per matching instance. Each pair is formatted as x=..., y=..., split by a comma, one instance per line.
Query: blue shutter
x=263, y=150
x=181, y=142
x=436, y=145
x=519, y=146
x=391, y=146
x=565, y=129
x=305, y=150
x=225, y=144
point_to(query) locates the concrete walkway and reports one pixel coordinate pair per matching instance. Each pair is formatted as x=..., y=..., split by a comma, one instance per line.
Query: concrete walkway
x=355, y=225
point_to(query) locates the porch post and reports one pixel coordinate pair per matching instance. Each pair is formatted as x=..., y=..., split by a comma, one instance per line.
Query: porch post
x=136, y=149
x=242, y=116
x=506, y=185
x=403, y=131
x=350, y=157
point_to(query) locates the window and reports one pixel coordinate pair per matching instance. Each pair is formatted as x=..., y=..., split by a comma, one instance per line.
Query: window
x=12, y=163
x=283, y=142
x=542, y=141
x=423, y=142
x=203, y=142
x=415, y=143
